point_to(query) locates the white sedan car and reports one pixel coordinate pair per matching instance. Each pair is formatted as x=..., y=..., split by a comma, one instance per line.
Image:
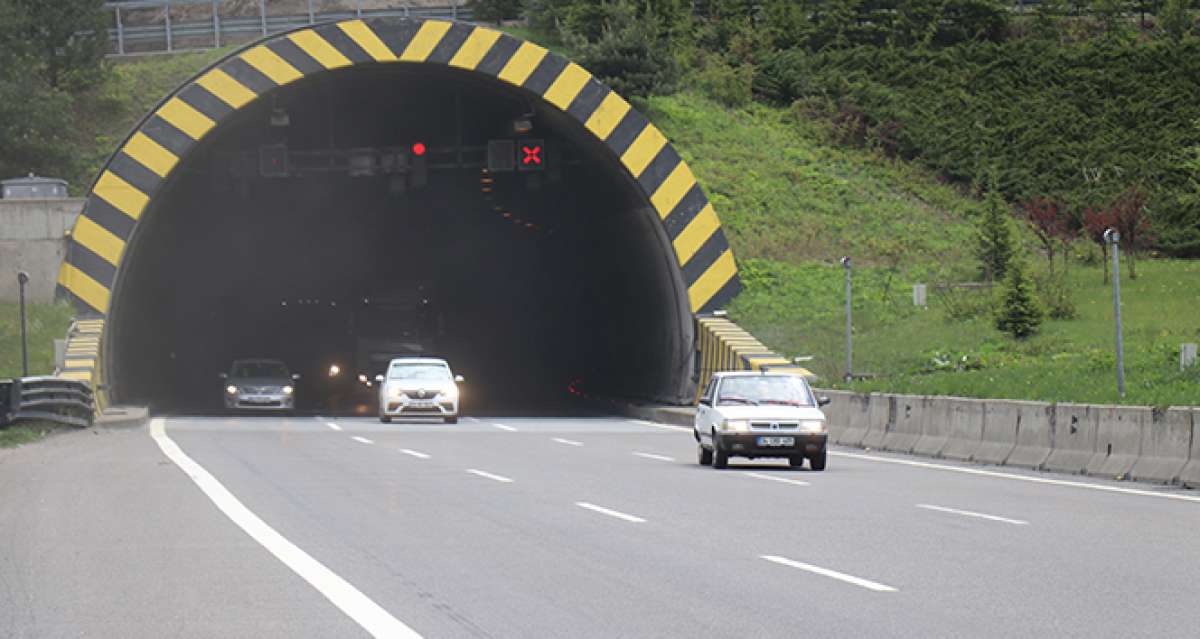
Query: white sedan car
x=418, y=387
x=760, y=414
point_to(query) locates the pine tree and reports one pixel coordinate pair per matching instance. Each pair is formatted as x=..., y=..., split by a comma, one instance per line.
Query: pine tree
x=994, y=238
x=1019, y=314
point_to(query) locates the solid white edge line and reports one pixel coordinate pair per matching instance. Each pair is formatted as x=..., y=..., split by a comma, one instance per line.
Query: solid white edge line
x=610, y=512
x=333, y=426
x=568, y=442
x=999, y=475
x=415, y=453
x=487, y=475
x=654, y=456
x=644, y=422
x=504, y=427
x=970, y=513
x=832, y=574
x=365, y=612
x=362, y=440
x=784, y=480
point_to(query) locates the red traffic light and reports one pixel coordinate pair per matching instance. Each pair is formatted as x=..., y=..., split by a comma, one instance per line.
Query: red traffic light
x=418, y=148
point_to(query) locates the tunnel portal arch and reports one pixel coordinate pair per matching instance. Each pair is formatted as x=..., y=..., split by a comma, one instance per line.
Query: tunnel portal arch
x=123, y=197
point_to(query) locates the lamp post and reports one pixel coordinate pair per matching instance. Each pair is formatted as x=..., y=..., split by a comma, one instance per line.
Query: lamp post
x=22, y=280
x=1113, y=238
x=849, y=323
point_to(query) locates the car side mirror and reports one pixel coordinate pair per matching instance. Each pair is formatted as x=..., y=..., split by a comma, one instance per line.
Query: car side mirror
x=222, y=375
x=296, y=376
x=705, y=401
x=458, y=379
x=822, y=400
x=379, y=378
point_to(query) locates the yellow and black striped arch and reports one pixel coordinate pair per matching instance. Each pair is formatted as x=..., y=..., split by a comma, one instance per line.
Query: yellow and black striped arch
x=138, y=170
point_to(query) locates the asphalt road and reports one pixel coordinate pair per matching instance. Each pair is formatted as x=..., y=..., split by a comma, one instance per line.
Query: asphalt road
x=606, y=527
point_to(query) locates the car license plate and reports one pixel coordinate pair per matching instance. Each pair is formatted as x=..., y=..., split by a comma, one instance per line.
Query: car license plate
x=776, y=441
x=422, y=403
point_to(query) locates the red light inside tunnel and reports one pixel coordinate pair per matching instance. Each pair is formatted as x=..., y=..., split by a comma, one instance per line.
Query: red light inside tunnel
x=533, y=155
x=418, y=148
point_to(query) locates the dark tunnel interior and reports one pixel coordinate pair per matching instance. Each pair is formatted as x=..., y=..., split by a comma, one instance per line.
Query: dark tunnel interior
x=535, y=285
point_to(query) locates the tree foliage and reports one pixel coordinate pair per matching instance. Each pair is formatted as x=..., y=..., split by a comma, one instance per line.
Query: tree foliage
x=1019, y=313
x=625, y=49
x=495, y=10
x=994, y=239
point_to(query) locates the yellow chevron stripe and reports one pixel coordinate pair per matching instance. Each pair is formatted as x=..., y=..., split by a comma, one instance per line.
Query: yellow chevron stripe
x=80, y=376
x=228, y=90
x=185, y=118
x=271, y=65
x=87, y=289
x=150, y=154
x=365, y=38
x=712, y=280
x=566, y=86
x=672, y=190
x=474, y=48
x=78, y=363
x=318, y=49
x=98, y=240
x=696, y=233
x=522, y=63
x=422, y=44
x=121, y=194
x=606, y=117
x=639, y=154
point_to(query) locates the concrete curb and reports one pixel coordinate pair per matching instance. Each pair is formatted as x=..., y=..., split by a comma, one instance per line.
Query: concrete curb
x=123, y=417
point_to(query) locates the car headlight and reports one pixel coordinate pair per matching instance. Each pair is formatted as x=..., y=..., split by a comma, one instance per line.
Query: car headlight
x=450, y=393
x=231, y=389
x=397, y=392
x=736, y=425
x=288, y=390
x=812, y=426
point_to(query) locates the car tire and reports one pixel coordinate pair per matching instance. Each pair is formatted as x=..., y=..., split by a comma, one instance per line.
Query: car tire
x=451, y=420
x=720, y=457
x=385, y=419
x=704, y=455
x=817, y=460
x=796, y=461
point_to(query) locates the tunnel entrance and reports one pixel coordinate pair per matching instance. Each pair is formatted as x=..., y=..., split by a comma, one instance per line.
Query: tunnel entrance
x=530, y=283
x=337, y=195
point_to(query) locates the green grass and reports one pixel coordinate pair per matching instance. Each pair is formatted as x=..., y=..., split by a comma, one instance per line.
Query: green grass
x=18, y=434
x=46, y=322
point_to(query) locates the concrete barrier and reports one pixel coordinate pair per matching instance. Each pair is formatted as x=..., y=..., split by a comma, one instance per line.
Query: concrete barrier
x=1118, y=440
x=858, y=420
x=1190, y=475
x=1074, y=438
x=966, y=429
x=1165, y=443
x=882, y=415
x=836, y=420
x=909, y=418
x=1015, y=433
x=937, y=420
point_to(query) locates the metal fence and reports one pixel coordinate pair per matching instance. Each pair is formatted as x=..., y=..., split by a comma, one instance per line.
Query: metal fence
x=51, y=399
x=185, y=31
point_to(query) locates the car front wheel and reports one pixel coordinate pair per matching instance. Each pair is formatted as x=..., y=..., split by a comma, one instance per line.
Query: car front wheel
x=796, y=461
x=451, y=420
x=817, y=460
x=385, y=419
x=720, y=457
x=704, y=455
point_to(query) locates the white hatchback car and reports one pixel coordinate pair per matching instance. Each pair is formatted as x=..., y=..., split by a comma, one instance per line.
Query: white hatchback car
x=418, y=387
x=760, y=414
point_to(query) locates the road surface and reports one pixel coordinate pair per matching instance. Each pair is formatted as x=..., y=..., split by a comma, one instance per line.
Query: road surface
x=602, y=527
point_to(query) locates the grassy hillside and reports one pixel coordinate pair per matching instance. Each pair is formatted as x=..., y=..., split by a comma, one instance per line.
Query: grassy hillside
x=46, y=322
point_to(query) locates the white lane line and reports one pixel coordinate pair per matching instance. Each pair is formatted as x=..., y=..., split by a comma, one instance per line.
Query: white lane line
x=568, y=442
x=658, y=425
x=969, y=513
x=610, y=512
x=653, y=456
x=362, y=440
x=832, y=574
x=365, y=612
x=785, y=480
x=504, y=427
x=1035, y=480
x=333, y=426
x=415, y=453
x=487, y=475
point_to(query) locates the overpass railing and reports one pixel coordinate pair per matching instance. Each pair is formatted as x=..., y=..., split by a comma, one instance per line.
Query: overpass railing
x=148, y=26
x=53, y=399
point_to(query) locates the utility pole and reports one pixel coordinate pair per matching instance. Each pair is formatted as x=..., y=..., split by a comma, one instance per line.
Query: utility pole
x=849, y=323
x=1114, y=240
x=22, y=280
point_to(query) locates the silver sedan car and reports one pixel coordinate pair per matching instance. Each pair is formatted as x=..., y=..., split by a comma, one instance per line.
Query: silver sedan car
x=259, y=384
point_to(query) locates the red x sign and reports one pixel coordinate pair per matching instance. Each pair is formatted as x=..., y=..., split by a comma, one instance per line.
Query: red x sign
x=533, y=155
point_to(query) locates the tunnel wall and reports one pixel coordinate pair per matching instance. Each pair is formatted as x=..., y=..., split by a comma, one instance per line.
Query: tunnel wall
x=93, y=266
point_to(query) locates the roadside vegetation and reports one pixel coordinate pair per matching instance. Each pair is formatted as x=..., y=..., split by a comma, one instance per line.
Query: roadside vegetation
x=18, y=434
x=45, y=322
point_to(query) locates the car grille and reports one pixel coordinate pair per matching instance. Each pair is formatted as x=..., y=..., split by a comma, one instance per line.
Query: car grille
x=261, y=390
x=775, y=426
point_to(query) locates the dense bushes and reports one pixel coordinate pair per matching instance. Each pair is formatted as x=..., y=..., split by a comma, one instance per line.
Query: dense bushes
x=1079, y=123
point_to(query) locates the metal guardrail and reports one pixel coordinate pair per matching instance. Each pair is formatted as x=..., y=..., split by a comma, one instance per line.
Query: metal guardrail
x=216, y=30
x=51, y=399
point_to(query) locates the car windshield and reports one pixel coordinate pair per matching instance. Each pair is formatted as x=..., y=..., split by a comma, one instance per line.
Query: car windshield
x=259, y=369
x=419, y=371
x=787, y=390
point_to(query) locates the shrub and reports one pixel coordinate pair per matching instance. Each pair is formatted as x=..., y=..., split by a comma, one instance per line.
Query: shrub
x=727, y=84
x=994, y=239
x=1019, y=313
x=626, y=51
